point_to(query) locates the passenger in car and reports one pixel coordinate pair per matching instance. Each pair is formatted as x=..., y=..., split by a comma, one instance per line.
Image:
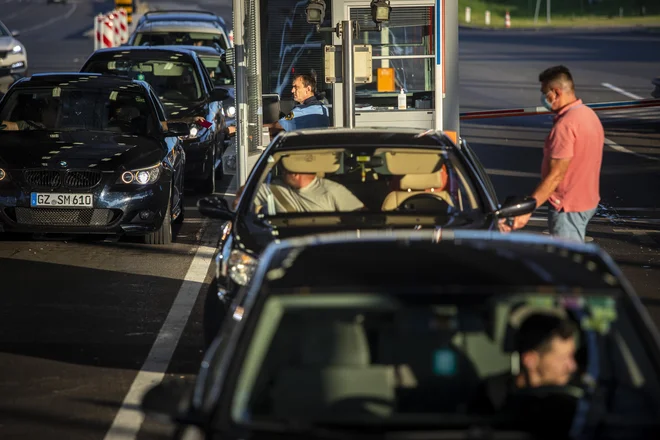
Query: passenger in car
x=546, y=345
x=303, y=192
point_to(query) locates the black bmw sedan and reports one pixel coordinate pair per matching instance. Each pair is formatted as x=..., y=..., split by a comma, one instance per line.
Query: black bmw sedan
x=188, y=94
x=84, y=153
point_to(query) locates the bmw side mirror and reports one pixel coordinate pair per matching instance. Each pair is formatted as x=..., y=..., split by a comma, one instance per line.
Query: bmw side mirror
x=215, y=207
x=15, y=33
x=515, y=206
x=177, y=129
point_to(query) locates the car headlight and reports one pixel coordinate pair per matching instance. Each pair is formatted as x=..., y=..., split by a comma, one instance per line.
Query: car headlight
x=241, y=267
x=16, y=49
x=231, y=111
x=194, y=133
x=143, y=176
x=4, y=176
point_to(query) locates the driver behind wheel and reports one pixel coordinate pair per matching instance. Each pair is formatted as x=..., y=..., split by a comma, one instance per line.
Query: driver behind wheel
x=305, y=192
x=546, y=346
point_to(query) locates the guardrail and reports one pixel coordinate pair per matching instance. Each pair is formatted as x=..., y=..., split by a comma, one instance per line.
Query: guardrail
x=532, y=111
x=111, y=29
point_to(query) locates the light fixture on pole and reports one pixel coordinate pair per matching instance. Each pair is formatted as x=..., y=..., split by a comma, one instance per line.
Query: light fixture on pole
x=315, y=12
x=380, y=11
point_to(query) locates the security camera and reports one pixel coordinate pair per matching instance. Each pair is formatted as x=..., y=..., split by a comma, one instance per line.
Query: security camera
x=380, y=10
x=315, y=11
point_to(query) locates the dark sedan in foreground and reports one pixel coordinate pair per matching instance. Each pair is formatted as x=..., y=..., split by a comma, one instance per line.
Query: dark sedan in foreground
x=404, y=335
x=337, y=179
x=84, y=153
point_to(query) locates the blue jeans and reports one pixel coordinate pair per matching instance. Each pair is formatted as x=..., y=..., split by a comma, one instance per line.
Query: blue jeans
x=569, y=225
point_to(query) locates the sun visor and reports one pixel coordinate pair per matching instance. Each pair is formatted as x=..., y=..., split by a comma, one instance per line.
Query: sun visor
x=311, y=163
x=421, y=162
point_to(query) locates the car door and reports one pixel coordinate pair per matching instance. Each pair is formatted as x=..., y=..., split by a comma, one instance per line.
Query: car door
x=215, y=108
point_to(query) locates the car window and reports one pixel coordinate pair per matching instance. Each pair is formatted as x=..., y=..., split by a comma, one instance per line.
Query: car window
x=192, y=38
x=67, y=107
x=393, y=180
x=410, y=360
x=4, y=32
x=173, y=81
x=218, y=70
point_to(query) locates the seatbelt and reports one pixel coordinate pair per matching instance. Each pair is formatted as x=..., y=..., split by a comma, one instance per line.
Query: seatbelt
x=279, y=195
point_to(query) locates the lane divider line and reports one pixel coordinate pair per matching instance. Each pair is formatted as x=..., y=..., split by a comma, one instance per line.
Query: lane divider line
x=616, y=147
x=52, y=20
x=129, y=418
x=623, y=92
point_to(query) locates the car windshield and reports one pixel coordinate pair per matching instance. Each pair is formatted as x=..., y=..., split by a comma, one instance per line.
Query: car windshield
x=67, y=107
x=192, y=38
x=393, y=180
x=413, y=359
x=173, y=81
x=4, y=32
x=218, y=70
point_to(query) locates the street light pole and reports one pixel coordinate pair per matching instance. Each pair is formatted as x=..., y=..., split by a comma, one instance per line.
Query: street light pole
x=347, y=74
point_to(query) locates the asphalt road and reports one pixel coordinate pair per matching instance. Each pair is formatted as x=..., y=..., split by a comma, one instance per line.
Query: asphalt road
x=85, y=323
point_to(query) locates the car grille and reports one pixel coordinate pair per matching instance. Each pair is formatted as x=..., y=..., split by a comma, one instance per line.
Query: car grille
x=4, y=71
x=67, y=179
x=62, y=217
x=3, y=53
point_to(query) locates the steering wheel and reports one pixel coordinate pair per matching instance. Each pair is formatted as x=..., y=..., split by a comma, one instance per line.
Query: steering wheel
x=425, y=203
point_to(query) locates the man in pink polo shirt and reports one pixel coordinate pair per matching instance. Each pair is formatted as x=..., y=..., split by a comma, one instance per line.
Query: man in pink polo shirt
x=572, y=157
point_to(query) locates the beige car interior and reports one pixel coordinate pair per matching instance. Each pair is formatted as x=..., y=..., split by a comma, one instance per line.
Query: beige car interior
x=420, y=171
x=329, y=362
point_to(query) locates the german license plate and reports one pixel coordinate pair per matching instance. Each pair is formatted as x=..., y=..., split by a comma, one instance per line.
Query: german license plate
x=59, y=200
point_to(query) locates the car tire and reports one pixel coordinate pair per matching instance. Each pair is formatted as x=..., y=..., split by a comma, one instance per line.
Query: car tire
x=164, y=234
x=214, y=313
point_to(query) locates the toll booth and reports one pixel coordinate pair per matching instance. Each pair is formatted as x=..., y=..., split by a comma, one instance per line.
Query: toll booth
x=415, y=51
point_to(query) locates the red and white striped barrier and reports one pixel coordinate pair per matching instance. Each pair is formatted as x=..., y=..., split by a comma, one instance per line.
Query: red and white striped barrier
x=532, y=111
x=111, y=29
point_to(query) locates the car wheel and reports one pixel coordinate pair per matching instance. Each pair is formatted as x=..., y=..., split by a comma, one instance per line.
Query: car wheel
x=214, y=313
x=164, y=234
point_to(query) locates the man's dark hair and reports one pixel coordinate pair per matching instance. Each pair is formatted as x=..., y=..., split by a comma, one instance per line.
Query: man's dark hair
x=307, y=81
x=557, y=74
x=539, y=329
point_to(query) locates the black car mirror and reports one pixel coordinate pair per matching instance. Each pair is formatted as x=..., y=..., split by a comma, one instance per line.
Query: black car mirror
x=215, y=207
x=515, y=206
x=166, y=401
x=178, y=129
x=15, y=33
x=219, y=94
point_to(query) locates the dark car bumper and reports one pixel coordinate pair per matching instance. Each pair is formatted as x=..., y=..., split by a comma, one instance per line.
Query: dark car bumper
x=116, y=210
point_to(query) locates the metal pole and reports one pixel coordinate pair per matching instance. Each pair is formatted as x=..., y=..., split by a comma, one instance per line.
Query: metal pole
x=347, y=74
x=241, y=92
x=536, y=11
x=439, y=101
x=548, y=10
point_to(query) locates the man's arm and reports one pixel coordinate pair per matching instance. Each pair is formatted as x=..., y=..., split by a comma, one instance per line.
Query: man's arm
x=9, y=126
x=558, y=168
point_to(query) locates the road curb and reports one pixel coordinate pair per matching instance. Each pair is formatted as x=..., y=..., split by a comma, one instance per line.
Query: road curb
x=638, y=28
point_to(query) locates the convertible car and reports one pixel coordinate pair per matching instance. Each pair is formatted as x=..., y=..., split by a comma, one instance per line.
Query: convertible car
x=310, y=181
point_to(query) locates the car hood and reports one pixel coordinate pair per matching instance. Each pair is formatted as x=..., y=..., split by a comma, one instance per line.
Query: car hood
x=256, y=234
x=7, y=43
x=98, y=150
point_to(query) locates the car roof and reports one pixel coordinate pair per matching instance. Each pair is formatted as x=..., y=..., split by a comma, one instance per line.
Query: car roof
x=143, y=52
x=197, y=15
x=366, y=136
x=80, y=79
x=180, y=26
x=439, y=258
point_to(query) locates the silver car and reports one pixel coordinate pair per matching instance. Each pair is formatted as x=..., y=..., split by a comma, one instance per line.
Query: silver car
x=13, y=58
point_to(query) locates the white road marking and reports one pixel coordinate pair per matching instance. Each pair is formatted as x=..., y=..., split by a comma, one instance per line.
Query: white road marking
x=635, y=231
x=644, y=238
x=52, y=20
x=128, y=420
x=623, y=92
x=15, y=14
x=613, y=145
